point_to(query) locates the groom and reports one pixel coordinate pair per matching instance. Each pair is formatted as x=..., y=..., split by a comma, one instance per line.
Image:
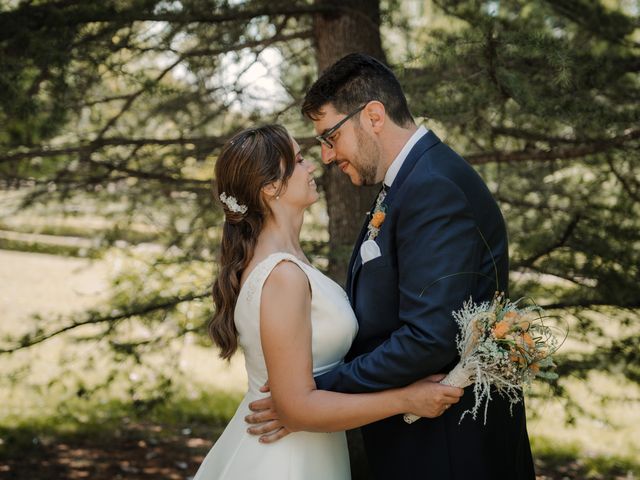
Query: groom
x=436, y=239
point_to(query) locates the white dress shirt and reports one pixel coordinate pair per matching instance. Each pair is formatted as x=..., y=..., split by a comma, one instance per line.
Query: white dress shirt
x=395, y=166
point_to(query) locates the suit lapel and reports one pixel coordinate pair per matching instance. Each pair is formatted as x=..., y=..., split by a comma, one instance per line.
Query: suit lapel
x=356, y=261
x=427, y=141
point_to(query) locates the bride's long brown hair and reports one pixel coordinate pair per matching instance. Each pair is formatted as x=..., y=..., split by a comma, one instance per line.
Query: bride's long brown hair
x=251, y=160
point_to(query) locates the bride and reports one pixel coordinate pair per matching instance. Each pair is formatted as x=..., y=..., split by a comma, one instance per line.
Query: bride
x=291, y=321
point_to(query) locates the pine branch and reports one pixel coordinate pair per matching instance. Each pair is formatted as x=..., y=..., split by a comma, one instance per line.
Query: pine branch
x=194, y=184
x=262, y=44
x=132, y=98
x=77, y=14
x=593, y=17
x=98, y=101
x=568, y=231
x=525, y=204
x=634, y=193
x=491, y=57
x=146, y=175
x=94, y=318
x=205, y=143
x=565, y=153
x=580, y=282
x=98, y=144
x=588, y=304
x=543, y=137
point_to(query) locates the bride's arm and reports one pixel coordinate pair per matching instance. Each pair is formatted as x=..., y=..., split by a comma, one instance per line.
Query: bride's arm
x=285, y=331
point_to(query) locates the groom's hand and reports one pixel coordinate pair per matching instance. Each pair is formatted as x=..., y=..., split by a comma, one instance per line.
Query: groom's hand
x=265, y=419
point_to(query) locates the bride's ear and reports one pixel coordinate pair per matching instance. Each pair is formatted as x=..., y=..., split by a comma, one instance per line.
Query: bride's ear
x=270, y=191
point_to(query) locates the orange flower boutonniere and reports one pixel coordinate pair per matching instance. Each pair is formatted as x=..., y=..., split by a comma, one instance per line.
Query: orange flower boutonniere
x=377, y=219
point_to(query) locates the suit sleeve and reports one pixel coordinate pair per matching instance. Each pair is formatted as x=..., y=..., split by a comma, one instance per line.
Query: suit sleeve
x=438, y=251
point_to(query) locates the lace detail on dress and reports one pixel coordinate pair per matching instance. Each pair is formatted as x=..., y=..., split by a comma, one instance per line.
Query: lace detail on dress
x=254, y=281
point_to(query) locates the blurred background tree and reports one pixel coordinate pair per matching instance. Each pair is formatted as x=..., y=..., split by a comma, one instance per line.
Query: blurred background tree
x=112, y=114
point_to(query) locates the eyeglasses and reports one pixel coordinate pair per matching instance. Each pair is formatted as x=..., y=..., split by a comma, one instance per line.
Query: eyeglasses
x=324, y=138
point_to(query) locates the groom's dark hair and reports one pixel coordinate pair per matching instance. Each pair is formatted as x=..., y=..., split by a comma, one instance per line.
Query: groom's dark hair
x=354, y=80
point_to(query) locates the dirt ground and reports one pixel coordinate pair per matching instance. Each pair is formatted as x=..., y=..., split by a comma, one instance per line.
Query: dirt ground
x=139, y=452
x=149, y=451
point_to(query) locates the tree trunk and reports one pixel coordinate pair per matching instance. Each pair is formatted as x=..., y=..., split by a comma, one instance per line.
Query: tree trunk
x=353, y=28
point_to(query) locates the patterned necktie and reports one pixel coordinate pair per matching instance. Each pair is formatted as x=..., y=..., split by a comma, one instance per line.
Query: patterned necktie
x=381, y=196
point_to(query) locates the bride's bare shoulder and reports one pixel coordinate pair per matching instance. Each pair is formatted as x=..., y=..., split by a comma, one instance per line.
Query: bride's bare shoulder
x=287, y=282
x=286, y=299
x=286, y=275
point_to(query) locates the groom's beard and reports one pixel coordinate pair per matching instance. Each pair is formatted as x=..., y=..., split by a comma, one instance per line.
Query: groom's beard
x=368, y=158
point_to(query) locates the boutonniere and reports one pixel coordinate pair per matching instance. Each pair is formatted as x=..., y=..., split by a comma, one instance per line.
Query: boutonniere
x=377, y=219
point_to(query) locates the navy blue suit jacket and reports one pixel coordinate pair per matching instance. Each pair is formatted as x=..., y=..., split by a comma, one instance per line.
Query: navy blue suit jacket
x=443, y=240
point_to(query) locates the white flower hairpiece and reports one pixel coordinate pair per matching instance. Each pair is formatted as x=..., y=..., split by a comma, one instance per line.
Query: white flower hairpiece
x=232, y=203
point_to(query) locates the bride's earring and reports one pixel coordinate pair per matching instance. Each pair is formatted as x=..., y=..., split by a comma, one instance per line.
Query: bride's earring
x=277, y=197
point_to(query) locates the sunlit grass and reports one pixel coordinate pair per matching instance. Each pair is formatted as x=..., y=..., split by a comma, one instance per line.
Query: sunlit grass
x=571, y=461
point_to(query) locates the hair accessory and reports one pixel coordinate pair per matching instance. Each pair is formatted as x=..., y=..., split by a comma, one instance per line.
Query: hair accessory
x=232, y=203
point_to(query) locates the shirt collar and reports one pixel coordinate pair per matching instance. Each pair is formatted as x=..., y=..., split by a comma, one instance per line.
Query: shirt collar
x=395, y=166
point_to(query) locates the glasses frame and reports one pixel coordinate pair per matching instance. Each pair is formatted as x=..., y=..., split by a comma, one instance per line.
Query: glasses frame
x=324, y=138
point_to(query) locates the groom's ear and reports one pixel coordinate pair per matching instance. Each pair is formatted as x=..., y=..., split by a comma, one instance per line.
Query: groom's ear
x=375, y=116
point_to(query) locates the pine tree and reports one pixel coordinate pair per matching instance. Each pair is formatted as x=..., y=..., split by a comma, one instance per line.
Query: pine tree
x=117, y=110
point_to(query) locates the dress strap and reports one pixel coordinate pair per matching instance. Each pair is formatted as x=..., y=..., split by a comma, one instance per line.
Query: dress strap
x=261, y=272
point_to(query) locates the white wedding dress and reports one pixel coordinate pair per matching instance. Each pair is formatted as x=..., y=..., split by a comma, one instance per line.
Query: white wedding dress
x=237, y=455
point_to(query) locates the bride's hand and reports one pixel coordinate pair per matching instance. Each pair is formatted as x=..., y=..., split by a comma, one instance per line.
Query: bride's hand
x=265, y=419
x=428, y=398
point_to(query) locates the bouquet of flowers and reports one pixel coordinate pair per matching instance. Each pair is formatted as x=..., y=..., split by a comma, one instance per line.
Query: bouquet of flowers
x=502, y=346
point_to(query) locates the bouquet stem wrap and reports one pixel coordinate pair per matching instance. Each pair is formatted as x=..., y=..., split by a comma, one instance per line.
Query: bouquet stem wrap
x=461, y=377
